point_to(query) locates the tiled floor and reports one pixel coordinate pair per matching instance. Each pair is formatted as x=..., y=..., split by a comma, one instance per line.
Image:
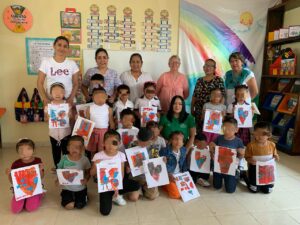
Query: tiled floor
x=282, y=207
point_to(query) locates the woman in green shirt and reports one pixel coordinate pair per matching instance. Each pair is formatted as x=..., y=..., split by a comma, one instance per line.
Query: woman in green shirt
x=177, y=119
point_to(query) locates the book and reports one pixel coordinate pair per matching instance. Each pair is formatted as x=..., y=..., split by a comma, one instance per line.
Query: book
x=291, y=104
x=275, y=100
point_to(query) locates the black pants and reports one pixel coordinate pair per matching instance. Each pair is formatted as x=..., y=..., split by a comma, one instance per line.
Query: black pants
x=105, y=198
x=59, y=148
x=78, y=197
x=196, y=176
x=252, y=182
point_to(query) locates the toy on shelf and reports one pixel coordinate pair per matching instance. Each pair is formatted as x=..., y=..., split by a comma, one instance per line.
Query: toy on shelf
x=288, y=62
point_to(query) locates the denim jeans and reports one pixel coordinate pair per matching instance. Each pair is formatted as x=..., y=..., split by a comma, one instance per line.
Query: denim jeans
x=230, y=182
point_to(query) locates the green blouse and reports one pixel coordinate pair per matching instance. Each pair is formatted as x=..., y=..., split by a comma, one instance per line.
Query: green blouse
x=169, y=127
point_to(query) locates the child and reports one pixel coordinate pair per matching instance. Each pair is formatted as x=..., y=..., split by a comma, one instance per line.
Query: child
x=216, y=103
x=228, y=140
x=102, y=115
x=127, y=121
x=157, y=142
x=200, y=178
x=75, y=196
x=58, y=136
x=175, y=156
x=260, y=149
x=111, y=142
x=241, y=95
x=144, y=140
x=97, y=80
x=148, y=99
x=25, y=149
x=123, y=102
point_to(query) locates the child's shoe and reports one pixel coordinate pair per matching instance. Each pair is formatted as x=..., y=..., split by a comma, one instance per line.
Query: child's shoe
x=119, y=200
x=203, y=183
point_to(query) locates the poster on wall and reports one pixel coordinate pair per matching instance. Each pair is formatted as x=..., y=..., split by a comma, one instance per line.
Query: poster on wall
x=17, y=18
x=94, y=35
x=36, y=50
x=70, y=20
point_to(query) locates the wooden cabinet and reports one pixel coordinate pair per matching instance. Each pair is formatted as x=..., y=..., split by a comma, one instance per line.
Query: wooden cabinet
x=286, y=124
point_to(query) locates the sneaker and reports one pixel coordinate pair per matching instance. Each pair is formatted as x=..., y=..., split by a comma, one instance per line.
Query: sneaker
x=119, y=200
x=203, y=183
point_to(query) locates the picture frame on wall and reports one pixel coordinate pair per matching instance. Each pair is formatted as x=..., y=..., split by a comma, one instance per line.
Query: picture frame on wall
x=70, y=20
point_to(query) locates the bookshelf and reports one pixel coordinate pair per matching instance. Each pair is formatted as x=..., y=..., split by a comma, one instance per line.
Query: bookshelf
x=281, y=111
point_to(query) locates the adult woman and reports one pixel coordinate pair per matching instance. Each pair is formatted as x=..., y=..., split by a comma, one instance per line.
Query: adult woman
x=238, y=76
x=135, y=77
x=177, y=119
x=58, y=69
x=203, y=88
x=171, y=83
x=111, y=78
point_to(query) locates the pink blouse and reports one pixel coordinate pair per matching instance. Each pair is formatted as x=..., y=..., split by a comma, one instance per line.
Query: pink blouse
x=167, y=87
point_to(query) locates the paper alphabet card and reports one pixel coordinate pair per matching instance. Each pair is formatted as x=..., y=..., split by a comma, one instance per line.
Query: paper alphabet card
x=109, y=175
x=265, y=172
x=225, y=160
x=186, y=186
x=26, y=182
x=69, y=176
x=243, y=114
x=58, y=115
x=156, y=172
x=84, y=128
x=135, y=157
x=200, y=160
x=212, y=121
x=148, y=114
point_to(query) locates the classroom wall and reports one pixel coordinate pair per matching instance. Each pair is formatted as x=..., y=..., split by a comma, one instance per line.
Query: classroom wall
x=291, y=17
x=46, y=24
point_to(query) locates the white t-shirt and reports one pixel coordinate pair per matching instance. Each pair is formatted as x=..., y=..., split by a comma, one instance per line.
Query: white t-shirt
x=144, y=102
x=118, y=108
x=177, y=155
x=59, y=72
x=136, y=86
x=102, y=156
x=100, y=115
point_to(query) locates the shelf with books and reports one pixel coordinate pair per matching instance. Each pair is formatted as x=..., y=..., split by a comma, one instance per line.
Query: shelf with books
x=296, y=76
x=284, y=41
x=288, y=104
x=272, y=101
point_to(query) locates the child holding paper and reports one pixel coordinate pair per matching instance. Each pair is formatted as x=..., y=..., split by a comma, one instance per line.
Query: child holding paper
x=144, y=140
x=228, y=140
x=58, y=136
x=75, y=196
x=25, y=149
x=199, y=178
x=260, y=149
x=100, y=113
x=157, y=142
x=216, y=103
x=111, y=152
x=175, y=156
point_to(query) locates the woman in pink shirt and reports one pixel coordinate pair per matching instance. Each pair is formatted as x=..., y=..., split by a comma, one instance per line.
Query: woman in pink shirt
x=171, y=83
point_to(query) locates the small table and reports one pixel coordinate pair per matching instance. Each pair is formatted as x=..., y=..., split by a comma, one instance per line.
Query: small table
x=2, y=112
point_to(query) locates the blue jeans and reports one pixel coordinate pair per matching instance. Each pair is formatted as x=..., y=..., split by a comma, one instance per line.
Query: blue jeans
x=230, y=182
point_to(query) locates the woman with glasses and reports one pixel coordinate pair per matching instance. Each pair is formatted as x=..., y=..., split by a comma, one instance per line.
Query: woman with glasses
x=203, y=88
x=171, y=83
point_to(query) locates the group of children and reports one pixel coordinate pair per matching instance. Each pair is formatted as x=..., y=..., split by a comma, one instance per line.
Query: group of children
x=106, y=144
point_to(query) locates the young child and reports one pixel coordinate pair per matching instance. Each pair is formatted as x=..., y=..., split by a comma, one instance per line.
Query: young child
x=111, y=152
x=148, y=99
x=127, y=121
x=75, y=196
x=25, y=149
x=144, y=140
x=157, y=142
x=175, y=157
x=122, y=103
x=216, y=103
x=228, y=140
x=241, y=95
x=58, y=136
x=260, y=149
x=199, y=178
x=97, y=80
x=102, y=115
